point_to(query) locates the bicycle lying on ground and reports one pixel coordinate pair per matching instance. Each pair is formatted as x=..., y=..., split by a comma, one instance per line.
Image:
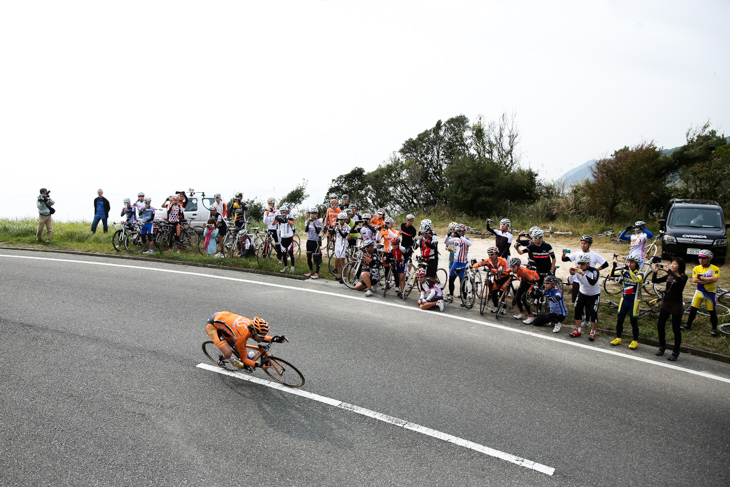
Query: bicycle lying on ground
x=277, y=368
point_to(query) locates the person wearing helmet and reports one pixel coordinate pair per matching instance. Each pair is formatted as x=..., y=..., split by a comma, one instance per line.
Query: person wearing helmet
x=705, y=275
x=408, y=237
x=597, y=261
x=503, y=236
x=539, y=252
x=139, y=203
x=398, y=261
x=672, y=304
x=633, y=279
x=342, y=232
x=129, y=212
x=330, y=220
x=355, y=214
x=385, y=237
x=637, y=239
x=285, y=229
x=147, y=218
x=270, y=219
x=313, y=228
x=461, y=244
x=226, y=329
x=367, y=231
x=371, y=268
x=449, y=247
x=238, y=211
x=557, y=310
x=431, y=293
x=344, y=202
x=101, y=211
x=428, y=242
x=589, y=292
x=378, y=220
x=498, y=274
x=528, y=278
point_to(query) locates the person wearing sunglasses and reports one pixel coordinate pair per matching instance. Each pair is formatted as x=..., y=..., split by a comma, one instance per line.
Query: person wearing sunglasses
x=225, y=327
x=705, y=276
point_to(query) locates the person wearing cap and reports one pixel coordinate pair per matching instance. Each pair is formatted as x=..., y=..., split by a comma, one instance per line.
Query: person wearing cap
x=313, y=228
x=45, y=215
x=101, y=211
x=705, y=276
x=344, y=202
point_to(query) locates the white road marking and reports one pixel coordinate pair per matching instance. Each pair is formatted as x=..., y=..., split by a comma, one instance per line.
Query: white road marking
x=397, y=305
x=522, y=462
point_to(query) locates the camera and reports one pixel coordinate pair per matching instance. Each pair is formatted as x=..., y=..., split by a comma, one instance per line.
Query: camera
x=280, y=218
x=656, y=259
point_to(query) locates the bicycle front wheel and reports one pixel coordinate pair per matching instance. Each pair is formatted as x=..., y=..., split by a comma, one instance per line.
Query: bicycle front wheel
x=468, y=292
x=351, y=273
x=118, y=240
x=442, y=278
x=284, y=373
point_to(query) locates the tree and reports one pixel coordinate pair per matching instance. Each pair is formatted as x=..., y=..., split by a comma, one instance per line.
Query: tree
x=297, y=195
x=629, y=178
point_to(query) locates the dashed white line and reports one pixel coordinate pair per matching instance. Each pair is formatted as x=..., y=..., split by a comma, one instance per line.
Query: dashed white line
x=401, y=423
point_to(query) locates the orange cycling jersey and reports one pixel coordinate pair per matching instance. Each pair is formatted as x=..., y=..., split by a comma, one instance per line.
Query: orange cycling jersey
x=331, y=217
x=500, y=266
x=385, y=235
x=525, y=274
x=234, y=327
x=377, y=222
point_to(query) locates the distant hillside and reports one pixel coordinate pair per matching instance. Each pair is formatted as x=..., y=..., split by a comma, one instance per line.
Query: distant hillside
x=578, y=174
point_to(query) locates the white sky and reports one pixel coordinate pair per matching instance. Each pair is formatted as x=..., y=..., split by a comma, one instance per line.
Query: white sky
x=222, y=96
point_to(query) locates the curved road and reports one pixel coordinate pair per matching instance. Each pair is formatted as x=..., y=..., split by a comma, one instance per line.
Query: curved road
x=100, y=385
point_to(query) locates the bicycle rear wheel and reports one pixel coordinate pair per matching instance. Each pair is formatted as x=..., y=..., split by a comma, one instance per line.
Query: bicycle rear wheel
x=284, y=373
x=724, y=329
x=613, y=284
x=216, y=356
x=502, y=303
x=410, y=283
x=484, y=296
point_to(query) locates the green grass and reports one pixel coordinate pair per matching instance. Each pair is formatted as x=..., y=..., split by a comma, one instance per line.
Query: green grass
x=77, y=236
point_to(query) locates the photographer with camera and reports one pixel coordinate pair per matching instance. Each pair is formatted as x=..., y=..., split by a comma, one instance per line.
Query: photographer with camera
x=45, y=215
x=285, y=229
x=313, y=227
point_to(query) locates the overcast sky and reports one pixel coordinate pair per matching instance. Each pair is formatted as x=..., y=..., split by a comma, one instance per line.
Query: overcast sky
x=227, y=96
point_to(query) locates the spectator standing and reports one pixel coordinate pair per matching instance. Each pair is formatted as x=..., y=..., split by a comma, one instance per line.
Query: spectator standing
x=633, y=278
x=503, y=236
x=129, y=212
x=672, y=304
x=211, y=232
x=101, y=211
x=285, y=229
x=147, y=217
x=589, y=293
x=313, y=227
x=174, y=215
x=139, y=203
x=45, y=215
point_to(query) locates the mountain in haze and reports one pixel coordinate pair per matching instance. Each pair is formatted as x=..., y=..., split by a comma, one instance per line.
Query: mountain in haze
x=578, y=174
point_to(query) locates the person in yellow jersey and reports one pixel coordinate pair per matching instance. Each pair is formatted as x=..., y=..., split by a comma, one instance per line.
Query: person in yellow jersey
x=705, y=276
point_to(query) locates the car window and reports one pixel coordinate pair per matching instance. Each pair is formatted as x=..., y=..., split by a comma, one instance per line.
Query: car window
x=192, y=204
x=208, y=202
x=696, y=218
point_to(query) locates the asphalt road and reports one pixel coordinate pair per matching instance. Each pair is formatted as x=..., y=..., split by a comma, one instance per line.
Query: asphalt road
x=99, y=386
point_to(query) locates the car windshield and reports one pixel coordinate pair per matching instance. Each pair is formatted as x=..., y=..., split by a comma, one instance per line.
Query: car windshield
x=696, y=218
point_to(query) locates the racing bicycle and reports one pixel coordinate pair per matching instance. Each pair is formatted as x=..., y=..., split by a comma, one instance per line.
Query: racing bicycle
x=277, y=368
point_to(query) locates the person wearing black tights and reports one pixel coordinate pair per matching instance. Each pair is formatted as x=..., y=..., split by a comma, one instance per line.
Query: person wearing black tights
x=671, y=304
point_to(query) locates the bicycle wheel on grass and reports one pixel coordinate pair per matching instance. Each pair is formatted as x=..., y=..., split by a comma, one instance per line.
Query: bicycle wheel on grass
x=216, y=356
x=118, y=240
x=722, y=311
x=284, y=373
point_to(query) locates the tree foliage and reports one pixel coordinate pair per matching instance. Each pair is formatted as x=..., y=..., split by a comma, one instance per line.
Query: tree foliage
x=297, y=195
x=472, y=167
